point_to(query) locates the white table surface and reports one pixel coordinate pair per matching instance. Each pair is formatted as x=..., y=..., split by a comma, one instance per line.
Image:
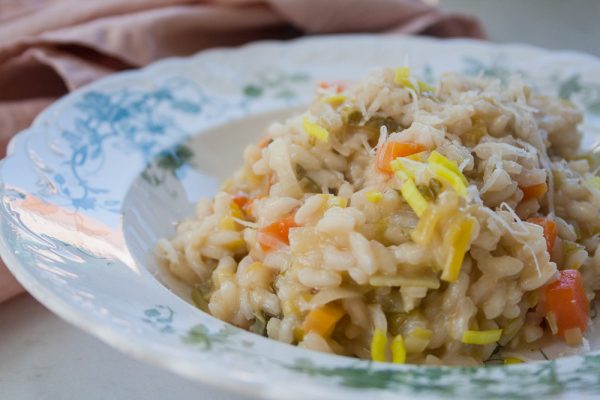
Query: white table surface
x=42, y=357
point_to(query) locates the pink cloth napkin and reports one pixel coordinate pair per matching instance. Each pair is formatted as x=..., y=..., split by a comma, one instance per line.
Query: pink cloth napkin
x=50, y=47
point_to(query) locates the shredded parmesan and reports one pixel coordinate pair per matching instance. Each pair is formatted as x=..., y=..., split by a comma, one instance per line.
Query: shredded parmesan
x=245, y=223
x=516, y=235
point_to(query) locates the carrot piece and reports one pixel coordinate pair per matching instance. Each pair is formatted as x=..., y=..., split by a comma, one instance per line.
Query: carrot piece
x=534, y=191
x=264, y=142
x=276, y=234
x=240, y=199
x=550, y=231
x=248, y=207
x=566, y=299
x=338, y=85
x=392, y=150
x=322, y=320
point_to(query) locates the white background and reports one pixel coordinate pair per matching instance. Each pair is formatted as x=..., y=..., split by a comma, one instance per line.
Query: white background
x=41, y=357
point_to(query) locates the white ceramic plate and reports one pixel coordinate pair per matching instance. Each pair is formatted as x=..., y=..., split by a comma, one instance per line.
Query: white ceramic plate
x=105, y=172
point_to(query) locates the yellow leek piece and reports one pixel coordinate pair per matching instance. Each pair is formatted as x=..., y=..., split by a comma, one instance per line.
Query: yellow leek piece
x=398, y=165
x=407, y=165
x=419, y=157
x=236, y=211
x=573, y=336
x=235, y=244
x=475, y=134
x=512, y=360
x=551, y=320
x=380, y=229
x=482, y=337
x=227, y=223
x=338, y=202
x=458, y=240
x=335, y=201
x=437, y=158
x=411, y=194
x=424, y=87
x=378, y=343
x=306, y=296
x=402, y=77
x=374, y=197
x=289, y=307
x=450, y=177
x=255, y=267
x=531, y=299
x=417, y=340
x=425, y=229
x=421, y=333
x=219, y=277
x=298, y=334
x=398, y=350
x=227, y=185
x=251, y=177
x=594, y=182
x=314, y=130
x=335, y=100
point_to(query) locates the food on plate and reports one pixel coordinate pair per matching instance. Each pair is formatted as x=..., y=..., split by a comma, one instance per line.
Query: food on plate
x=401, y=221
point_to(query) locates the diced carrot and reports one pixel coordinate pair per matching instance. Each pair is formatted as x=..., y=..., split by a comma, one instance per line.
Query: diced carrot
x=248, y=206
x=276, y=234
x=566, y=299
x=240, y=199
x=534, y=191
x=264, y=142
x=322, y=320
x=550, y=231
x=392, y=150
x=338, y=85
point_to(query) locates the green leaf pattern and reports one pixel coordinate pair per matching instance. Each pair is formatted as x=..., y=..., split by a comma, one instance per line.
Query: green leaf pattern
x=277, y=84
x=521, y=381
x=168, y=162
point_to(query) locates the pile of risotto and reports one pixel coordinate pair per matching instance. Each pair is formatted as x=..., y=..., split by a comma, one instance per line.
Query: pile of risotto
x=402, y=222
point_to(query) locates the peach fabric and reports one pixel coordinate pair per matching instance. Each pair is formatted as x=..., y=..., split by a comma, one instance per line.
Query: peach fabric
x=50, y=47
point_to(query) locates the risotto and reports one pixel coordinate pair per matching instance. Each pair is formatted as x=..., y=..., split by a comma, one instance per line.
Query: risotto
x=401, y=222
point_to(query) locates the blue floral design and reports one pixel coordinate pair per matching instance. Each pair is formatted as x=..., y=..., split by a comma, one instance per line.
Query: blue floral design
x=202, y=337
x=572, y=88
x=275, y=83
x=495, y=68
x=136, y=122
x=168, y=162
x=160, y=317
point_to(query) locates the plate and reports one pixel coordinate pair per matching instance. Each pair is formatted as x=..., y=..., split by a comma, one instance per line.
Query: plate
x=104, y=172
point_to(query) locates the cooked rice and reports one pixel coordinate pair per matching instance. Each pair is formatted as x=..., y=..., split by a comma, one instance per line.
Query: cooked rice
x=359, y=255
